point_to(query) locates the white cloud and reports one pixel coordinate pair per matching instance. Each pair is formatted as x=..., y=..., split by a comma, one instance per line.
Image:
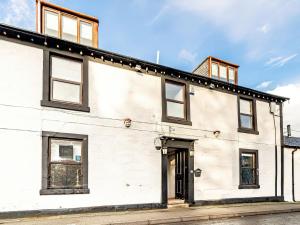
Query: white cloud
x=264, y=85
x=19, y=13
x=239, y=20
x=187, y=56
x=264, y=29
x=280, y=60
x=291, y=107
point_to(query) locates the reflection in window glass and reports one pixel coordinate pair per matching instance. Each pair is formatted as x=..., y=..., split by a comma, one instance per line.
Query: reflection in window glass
x=69, y=29
x=246, y=113
x=175, y=109
x=66, y=80
x=65, y=163
x=86, y=33
x=67, y=92
x=174, y=91
x=248, y=169
x=51, y=23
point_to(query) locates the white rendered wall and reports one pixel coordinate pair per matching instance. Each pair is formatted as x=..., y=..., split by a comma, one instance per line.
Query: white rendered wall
x=288, y=174
x=124, y=167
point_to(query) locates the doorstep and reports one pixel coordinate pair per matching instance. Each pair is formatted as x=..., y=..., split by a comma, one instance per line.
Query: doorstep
x=162, y=216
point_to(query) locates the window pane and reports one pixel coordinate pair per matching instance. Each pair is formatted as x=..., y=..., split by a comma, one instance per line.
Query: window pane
x=215, y=70
x=175, y=109
x=248, y=168
x=51, y=23
x=66, y=92
x=65, y=150
x=86, y=33
x=69, y=29
x=66, y=69
x=223, y=73
x=246, y=106
x=174, y=91
x=65, y=175
x=248, y=160
x=246, y=121
x=231, y=75
x=248, y=176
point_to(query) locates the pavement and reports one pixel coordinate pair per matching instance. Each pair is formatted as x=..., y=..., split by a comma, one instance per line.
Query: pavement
x=161, y=216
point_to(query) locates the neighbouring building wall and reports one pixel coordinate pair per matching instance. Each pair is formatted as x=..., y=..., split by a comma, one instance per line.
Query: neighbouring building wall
x=202, y=69
x=288, y=174
x=123, y=165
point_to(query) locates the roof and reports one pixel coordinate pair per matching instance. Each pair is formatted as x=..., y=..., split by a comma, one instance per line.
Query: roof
x=292, y=142
x=43, y=41
x=59, y=8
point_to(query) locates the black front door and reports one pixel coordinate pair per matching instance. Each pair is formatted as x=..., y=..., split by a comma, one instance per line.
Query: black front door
x=180, y=173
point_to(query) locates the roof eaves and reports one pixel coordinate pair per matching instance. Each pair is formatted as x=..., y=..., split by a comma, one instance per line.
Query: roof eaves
x=55, y=43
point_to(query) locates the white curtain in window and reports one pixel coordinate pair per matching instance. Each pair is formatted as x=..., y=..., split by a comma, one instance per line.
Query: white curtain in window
x=66, y=69
x=214, y=69
x=223, y=73
x=69, y=28
x=51, y=23
x=246, y=107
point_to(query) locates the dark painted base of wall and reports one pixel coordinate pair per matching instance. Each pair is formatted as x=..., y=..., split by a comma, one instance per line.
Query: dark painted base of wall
x=52, y=212
x=238, y=200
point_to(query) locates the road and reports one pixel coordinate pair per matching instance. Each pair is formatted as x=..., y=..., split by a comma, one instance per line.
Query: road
x=276, y=219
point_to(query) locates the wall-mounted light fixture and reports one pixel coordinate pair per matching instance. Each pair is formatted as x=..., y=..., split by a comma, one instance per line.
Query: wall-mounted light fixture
x=127, y=122
x=157, y=143
x=211, y=86
x=164, y=150
x=192, y=90
x=198, y=172
x=217, y=133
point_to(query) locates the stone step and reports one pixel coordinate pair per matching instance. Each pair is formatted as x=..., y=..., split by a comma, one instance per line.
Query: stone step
x=178, y=205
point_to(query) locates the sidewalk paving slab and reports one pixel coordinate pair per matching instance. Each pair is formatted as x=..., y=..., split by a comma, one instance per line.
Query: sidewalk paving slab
x=160, y=216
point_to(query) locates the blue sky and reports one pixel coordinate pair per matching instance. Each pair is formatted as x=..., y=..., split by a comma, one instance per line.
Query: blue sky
x=262, y=36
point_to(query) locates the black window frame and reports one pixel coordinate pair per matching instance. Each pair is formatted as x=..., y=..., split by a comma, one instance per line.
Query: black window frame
x=47, y=82
x=241, y=129
x=255, y=153
x=187, y=117
x=46, y=141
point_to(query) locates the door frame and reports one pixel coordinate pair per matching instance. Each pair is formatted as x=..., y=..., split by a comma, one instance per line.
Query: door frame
x=181, y=143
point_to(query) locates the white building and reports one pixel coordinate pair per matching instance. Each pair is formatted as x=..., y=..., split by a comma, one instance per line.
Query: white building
x=86, y=129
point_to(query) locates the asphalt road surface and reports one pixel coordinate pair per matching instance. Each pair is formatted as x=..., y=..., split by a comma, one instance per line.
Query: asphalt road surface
x=276, y=219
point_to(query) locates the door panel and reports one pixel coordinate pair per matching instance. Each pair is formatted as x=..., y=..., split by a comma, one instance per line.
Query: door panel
x=180, y=158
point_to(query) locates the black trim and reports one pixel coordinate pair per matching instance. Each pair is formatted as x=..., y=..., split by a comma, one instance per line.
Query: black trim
x=109, y=208
x=238, y=200
x=249, y=186
x=172, y=142
x=45, y=190
x=43, y=41
x=46, y=101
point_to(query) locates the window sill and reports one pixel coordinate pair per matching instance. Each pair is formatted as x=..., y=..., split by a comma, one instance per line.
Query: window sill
x=64, y=191
x=247, y=131
x=242, y=186
x=178, y=121
x=62, y=105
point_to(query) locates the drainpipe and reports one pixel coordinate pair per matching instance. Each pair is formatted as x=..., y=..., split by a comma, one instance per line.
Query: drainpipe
x=293, y=173
x=276, y=153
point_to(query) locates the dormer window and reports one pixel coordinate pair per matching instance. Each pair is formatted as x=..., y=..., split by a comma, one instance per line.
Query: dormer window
x=218, y=69
x=67, y=24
